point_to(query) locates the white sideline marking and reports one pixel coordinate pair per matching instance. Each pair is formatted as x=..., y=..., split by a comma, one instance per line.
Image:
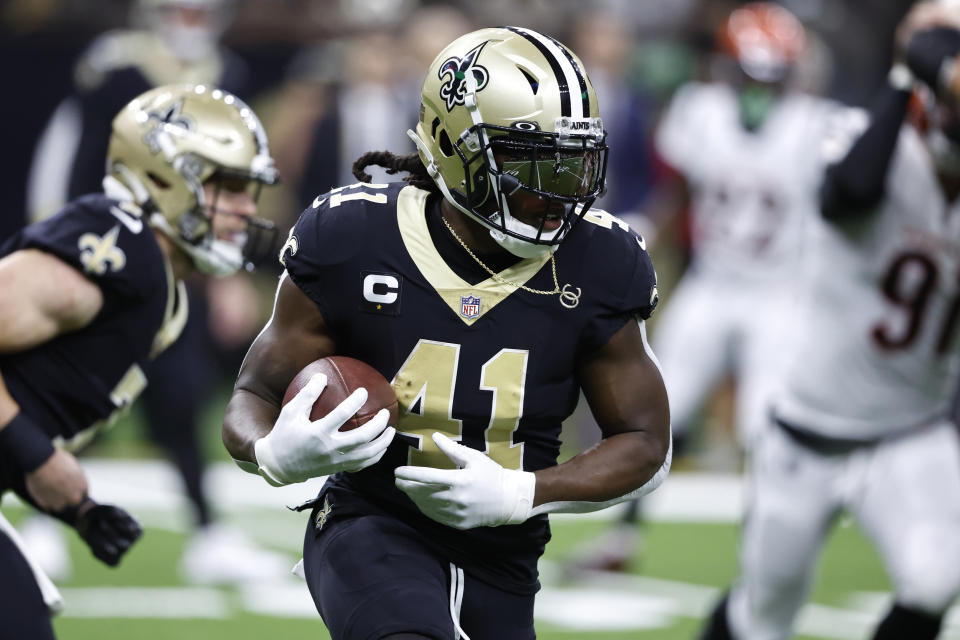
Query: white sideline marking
x=145, y=602
x=600, y=602
x=620, y=602
x=287, y=600
x=154, y=485
x=604, y=610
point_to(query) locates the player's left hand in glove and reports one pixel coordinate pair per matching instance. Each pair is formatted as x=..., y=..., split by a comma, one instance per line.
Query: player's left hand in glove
x=108, y=530
x=479, y=493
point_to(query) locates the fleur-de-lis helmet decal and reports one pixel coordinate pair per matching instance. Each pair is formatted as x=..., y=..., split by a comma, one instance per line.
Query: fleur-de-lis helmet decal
x=157, y=138
x=509, y=113
x=454, y=70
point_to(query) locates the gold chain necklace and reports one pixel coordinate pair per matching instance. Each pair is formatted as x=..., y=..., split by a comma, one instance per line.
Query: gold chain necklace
x=497, y=276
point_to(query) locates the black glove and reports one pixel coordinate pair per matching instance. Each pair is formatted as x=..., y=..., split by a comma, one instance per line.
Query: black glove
x=108, y=530
x=929, y=50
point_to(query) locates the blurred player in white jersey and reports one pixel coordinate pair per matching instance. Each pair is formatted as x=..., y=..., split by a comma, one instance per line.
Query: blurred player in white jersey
x=746, y=152
x=861, y=423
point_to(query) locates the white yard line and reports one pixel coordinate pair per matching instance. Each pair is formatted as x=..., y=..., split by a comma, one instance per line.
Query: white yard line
x=154, y=485
x=601, y=602
x=620, y=602
x=151, y=489
x=146, y=602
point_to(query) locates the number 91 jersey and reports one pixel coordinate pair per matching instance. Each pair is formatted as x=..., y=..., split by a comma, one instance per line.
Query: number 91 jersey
x=489, y=364
x=879, y=350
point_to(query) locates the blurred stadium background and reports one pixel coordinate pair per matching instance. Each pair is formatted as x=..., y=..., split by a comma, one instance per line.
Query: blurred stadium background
x=300, y=54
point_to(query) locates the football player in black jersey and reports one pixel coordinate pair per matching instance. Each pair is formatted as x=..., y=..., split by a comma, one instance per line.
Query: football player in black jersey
x=490, y=293
x=92, y=295
x=168, y=42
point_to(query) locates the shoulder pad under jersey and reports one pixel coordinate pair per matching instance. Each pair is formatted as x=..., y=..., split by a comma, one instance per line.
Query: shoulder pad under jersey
x=338, y=224
x=106, y=240
x=620, y=266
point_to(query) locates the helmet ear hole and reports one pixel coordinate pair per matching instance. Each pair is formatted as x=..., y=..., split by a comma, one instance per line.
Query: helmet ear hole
x=534, y=84
x=446, y=147
x=157, y=180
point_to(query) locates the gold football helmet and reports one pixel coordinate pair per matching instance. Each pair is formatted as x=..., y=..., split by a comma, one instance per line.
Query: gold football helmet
x=168, y=142
x=508, y=118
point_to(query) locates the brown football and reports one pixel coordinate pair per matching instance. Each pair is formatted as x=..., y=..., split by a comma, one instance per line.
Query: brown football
x=344, y=376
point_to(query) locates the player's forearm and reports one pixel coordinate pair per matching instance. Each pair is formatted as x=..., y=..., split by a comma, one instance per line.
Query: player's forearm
x=623, y=385
x=21, y=439
x=247, y=419
x=615, y=467
x=294, y=336
x=856, y=183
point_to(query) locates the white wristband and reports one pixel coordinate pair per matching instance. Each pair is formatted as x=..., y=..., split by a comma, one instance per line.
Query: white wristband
x=523, y=485
x=585, y=506
x=261, y=450
x=249, y=467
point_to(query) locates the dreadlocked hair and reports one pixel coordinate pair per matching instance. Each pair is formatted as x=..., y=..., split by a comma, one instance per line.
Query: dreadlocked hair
x=393, y=163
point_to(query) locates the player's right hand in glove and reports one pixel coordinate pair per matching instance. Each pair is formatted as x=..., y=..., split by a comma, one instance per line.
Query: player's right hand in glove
x=923, y=16
x=298, y=448
x=927, y=41
x=108, y=530
x=478, y=493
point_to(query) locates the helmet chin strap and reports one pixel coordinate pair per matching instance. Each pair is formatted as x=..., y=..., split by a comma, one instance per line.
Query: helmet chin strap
x=518, y=247
x=215, y=258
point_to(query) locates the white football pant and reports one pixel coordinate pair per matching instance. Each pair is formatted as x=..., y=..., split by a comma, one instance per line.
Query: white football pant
x=712, y=327
x=904, y=493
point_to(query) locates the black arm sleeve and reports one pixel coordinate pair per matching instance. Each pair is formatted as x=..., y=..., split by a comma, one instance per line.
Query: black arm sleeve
x=855, y=183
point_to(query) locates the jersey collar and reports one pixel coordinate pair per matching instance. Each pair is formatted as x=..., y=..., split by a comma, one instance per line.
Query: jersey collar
x=452, y=289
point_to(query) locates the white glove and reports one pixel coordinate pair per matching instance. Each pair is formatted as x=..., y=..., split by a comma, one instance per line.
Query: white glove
x=298, y=449
x=478, y=494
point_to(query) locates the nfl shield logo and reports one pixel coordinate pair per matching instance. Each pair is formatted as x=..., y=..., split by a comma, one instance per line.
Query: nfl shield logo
x=469, y=306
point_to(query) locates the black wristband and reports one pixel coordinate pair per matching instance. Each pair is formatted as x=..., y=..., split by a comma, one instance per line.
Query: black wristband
x=928, y=50
x=26, y=442
x=71, y=514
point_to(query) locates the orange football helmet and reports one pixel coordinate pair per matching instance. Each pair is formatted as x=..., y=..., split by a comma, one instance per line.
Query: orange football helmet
x=764, y=38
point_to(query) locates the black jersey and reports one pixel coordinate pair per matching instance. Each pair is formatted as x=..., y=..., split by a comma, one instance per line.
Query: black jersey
x=78, y=381
x=490, y=364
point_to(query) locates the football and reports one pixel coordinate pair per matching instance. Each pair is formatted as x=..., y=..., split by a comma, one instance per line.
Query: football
x=344, y=375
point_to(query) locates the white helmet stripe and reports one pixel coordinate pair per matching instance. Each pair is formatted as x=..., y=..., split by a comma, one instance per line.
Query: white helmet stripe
x=567, y=75
x=581, y=79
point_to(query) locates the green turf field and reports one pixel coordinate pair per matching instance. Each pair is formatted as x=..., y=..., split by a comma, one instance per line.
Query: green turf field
x=674, y=584
x=684, y=564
